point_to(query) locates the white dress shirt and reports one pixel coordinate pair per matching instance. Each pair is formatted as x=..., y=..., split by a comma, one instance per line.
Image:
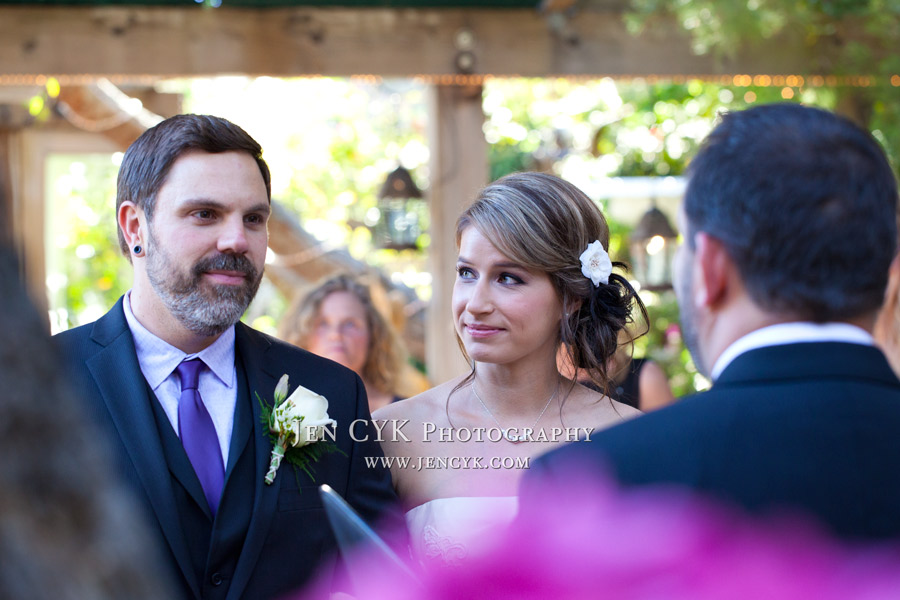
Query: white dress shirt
x=791, y=333
x=217, y=385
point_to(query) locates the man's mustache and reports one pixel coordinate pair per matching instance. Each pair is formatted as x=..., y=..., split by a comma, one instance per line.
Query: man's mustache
x=226, y=262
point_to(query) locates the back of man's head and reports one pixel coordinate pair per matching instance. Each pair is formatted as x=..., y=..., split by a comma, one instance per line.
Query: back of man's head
x=804, y=202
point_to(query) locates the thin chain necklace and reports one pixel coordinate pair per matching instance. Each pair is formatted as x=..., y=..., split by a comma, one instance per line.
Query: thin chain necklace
x=516, y=439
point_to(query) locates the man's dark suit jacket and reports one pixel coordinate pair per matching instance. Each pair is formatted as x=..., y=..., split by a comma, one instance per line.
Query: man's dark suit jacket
x=266, y=540
x=813, y=427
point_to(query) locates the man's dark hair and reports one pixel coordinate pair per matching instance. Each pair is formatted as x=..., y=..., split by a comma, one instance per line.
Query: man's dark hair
x=148, y=160
x=805, y=203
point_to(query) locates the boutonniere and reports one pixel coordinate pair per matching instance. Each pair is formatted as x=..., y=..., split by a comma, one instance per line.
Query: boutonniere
x=296, y=424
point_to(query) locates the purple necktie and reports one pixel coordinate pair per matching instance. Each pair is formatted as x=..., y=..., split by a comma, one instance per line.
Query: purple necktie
x=198, y=434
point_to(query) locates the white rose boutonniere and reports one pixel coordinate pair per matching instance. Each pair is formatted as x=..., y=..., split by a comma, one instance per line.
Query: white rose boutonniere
x=595, y=264
x=297, y=426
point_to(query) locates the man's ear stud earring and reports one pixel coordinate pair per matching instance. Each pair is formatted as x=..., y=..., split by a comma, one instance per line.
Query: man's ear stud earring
x=138, y=250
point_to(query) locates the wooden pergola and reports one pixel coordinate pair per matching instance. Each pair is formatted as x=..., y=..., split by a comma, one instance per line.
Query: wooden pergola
x=95, y=49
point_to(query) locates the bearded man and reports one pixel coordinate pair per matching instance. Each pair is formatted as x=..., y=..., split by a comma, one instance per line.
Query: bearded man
x=173, y=376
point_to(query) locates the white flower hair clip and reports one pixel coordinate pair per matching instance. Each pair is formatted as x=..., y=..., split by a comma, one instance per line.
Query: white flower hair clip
x=595, y=263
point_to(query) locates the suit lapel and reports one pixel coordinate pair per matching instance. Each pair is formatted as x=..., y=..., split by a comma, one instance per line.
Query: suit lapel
x=243, y=425
x=251, y=349
x=118, y=376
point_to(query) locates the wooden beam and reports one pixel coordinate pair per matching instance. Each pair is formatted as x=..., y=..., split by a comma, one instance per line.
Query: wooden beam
x=300, y=259
x=6, y=191
x=459, y=168
x=30, y=150
x=132, y=42
x=102, y=108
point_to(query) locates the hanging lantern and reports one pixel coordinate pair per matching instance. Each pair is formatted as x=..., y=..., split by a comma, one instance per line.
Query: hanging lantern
x=399, y=204
x=652, y=249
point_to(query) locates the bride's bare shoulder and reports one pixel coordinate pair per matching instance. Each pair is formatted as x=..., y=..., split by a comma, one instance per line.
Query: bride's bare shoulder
x=589, y=406
x=422, y=407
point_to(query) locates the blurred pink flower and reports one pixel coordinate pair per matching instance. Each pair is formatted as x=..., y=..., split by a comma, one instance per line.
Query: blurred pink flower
x=593, y=540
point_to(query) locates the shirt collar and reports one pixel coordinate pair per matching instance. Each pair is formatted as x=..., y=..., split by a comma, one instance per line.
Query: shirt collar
x=158, y=358
x=791, y=333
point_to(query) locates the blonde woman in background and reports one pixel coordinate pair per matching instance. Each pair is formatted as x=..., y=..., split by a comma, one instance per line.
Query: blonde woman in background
x=338, y=320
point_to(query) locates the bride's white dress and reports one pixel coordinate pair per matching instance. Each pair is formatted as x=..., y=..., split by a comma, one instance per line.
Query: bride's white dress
x=450, y=531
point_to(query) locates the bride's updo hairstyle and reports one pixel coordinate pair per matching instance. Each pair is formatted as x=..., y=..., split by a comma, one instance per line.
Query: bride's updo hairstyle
x=545, y=223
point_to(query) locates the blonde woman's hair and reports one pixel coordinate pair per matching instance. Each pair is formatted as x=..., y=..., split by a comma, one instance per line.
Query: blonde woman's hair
x=545, y=223
x=385, y=355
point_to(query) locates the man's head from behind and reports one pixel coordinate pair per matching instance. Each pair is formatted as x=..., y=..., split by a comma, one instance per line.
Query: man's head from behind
x=192, y=205
x=803, y=204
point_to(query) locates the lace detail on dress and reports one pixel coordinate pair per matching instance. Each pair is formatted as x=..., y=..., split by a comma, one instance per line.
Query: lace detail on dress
x=443, y=548
x=453, y=531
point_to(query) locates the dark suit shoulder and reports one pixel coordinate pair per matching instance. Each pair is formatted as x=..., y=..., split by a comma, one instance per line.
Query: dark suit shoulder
x=100, y=332
x=81, y=331
x=688, y=413
x=819, y=437
x=74, y=341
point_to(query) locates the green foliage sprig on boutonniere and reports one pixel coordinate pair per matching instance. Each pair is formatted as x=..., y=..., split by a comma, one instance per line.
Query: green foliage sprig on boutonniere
x=296, y=424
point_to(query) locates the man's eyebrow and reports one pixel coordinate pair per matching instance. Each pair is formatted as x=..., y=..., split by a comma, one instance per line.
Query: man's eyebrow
x=262, y=207
x=198, y=202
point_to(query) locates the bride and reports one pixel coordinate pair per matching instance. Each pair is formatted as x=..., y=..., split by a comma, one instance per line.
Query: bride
x=532, y=273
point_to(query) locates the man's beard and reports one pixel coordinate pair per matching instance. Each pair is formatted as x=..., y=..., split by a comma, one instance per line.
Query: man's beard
x=204, y=309
x=689, y=334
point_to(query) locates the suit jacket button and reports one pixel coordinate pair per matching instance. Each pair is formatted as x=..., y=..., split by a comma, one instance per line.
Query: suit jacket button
x=216, y=579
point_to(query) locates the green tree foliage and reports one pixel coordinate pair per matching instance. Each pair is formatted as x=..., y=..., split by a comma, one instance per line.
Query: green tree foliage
x=86, y=272
x=854, y=40
x=366, y=134
x=613, y=129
